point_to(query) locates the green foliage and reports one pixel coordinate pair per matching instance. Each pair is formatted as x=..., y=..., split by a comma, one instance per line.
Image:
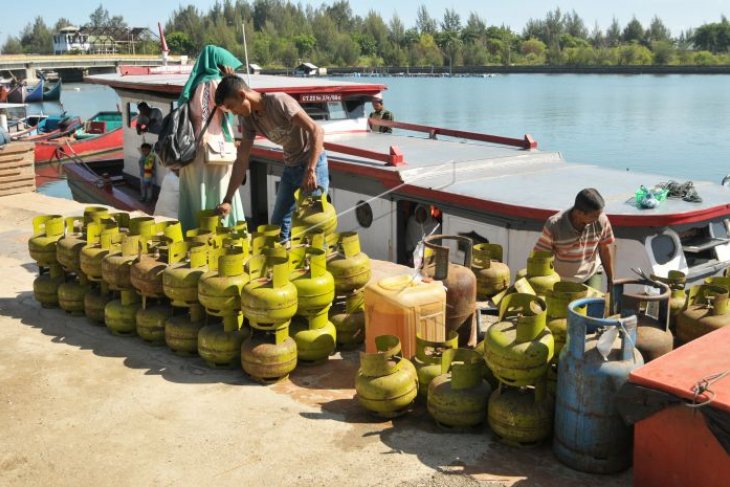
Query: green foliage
x=663, y=52
x=37, y=38
x=713, y=37
x=283, y=33
x=12, y=46
x=533, y=46
x=704, y=58
x=179, y=43
x=634, y=54
x=634, y=32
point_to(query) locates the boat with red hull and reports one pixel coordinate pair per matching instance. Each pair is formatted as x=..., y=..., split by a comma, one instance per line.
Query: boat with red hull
x=100, y=140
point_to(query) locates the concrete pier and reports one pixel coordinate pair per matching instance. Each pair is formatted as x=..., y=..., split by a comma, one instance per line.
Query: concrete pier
x=81, y=407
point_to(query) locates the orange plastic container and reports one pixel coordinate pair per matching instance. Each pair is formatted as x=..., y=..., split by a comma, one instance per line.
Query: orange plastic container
x=404, y=307
x=674, y=447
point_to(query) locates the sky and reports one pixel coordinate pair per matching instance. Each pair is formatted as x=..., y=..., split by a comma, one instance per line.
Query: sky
x=677, y=15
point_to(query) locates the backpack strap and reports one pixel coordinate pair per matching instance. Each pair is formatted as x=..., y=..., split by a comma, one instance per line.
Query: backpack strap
x=205, y=127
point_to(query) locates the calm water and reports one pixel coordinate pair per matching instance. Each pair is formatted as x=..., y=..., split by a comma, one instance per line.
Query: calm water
x=673, y=125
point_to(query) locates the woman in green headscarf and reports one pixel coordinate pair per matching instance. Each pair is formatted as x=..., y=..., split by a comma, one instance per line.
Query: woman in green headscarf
x=202, y=186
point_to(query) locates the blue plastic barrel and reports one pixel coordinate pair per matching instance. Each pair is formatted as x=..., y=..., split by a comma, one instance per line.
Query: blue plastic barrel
x=589, y=433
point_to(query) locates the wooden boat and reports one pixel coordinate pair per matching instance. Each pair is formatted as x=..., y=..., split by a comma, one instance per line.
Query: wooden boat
x=493, y=188
x=51, y=127
x=22, y=94
x=35, y=94
x=100, y=139
x=17, y=94
x=54, y=92
x=105, y=183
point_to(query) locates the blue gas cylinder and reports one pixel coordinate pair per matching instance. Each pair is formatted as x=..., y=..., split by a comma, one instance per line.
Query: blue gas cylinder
x=590, y=435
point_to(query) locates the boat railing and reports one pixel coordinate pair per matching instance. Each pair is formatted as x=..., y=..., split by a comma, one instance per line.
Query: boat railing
x=394, y=157
x=527, y=142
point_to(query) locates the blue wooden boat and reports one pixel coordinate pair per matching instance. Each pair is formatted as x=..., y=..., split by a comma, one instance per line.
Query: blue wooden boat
x=53, y=93
x=35, y=94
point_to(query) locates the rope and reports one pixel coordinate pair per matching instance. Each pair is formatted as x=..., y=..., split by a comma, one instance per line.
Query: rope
x=702, y=388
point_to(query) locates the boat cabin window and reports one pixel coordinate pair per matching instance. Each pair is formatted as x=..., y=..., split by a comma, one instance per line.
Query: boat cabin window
x=333, y=110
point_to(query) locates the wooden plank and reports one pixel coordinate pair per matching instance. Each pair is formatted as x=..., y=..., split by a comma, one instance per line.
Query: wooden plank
x=17, y=171
x=26, y=188
x=6, y=180
x=15, y=149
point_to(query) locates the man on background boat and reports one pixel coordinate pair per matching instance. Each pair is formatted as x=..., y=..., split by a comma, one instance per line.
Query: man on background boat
x=149, y=119
x=577, y=237
x=281, y=119
x=380, y=113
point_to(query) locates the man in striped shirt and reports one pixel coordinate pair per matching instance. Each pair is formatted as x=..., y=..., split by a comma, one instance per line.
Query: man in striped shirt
x=577, y=237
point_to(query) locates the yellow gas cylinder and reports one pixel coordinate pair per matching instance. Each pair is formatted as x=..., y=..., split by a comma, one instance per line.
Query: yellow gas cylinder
x=707, y=310
x=348, y=318
x=315, y=285
x=541, y=272
x=95, y=301
x=304, y=237
x=271, y=298
x=493, y=276
x=69, y=246
x=120, y=314
x=315, y=336
x=458, y=397
x=314, y=212
x=146, y=271
x=220, y=291
x=269, y=354
x=151, y=322
x=241, y=226
x=269, y=302
x=71, y=296
x=386, y=383
x=521, y=416
x=220, y=344
x=209, y=220
x=428, y=359
x=46, y=285
x=181, y=331
x=180, y=280
x=101, y=238
x=676, y=280
x=348, y=264
x=47, y=230
x=142, y=229
x=557, y=300
x=115, y=267
x=273, y=231
x=518, y=348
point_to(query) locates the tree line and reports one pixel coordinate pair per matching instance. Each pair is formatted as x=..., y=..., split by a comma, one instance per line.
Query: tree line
x=282, y=34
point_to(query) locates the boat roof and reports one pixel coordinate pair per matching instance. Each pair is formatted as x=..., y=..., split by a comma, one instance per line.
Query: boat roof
x=513, y=182
x=172, y=83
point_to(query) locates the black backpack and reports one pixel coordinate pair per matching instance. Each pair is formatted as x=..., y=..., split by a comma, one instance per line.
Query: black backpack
x=176, y=144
